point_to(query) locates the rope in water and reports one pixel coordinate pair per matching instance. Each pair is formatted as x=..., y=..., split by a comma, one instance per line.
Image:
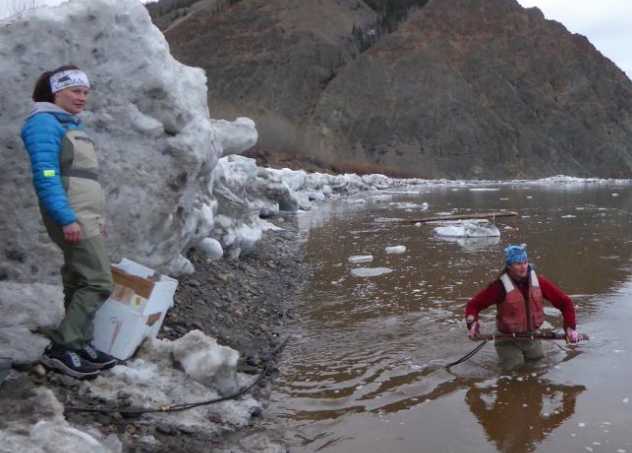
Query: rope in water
x=467, y=356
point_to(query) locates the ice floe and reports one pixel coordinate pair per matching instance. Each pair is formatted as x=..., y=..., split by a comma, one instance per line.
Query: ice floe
x=396, y=249
x=468, y=229
x=358, y=259
x=370, y=271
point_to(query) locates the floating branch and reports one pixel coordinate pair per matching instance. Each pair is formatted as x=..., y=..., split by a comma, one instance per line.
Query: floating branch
x=487, y=215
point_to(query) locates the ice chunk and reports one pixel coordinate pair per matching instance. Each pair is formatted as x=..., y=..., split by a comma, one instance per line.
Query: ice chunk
x=167, y=372
x=468, y=229
x=484, y=189
x=410, y=206
x=475, y=244
x=211, y=248
x=396, y=249
x=381, y=197
x=357, y=259
x=370, y=271
x=207, y=362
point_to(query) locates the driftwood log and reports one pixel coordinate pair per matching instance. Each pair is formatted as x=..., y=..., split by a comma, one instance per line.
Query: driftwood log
x=486, y=215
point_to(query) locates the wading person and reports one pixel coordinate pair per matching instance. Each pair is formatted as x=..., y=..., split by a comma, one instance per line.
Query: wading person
x=65, y=177
x=518, y=295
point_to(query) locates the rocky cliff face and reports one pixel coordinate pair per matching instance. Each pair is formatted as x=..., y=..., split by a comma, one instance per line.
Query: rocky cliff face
x=481, y=89
x=462, y=88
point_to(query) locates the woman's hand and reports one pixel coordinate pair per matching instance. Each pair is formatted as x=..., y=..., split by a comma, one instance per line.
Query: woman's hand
x=473, y=327
x=72, y=233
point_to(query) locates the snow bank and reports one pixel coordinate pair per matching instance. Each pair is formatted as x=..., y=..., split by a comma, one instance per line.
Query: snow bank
x=246, y=194
x=37, y=425
x=23, y=310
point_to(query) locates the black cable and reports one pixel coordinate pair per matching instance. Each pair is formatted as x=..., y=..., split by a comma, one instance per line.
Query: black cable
x=467, y=356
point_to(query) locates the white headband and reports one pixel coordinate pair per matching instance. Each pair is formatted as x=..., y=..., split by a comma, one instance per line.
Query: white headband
x=67, y=79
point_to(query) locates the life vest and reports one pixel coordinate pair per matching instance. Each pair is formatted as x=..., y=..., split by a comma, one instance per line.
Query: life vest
x=80, y=176
x=515, y=314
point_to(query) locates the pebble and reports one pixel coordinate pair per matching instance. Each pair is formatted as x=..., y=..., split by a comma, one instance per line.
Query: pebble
x=167, y=429
x=39, y=370
x=67, y=381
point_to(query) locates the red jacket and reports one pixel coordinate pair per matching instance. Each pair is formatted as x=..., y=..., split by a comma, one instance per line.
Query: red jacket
x=495, y=294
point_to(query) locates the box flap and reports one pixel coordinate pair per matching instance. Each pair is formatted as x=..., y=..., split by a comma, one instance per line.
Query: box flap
x=134, y=268
x=139, y=285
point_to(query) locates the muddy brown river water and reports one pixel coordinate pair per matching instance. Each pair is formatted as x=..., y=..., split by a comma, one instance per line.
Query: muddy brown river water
x=364, y=370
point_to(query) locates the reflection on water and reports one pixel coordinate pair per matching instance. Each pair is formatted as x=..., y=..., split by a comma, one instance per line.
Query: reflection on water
x=364, y=370
x=542, y=405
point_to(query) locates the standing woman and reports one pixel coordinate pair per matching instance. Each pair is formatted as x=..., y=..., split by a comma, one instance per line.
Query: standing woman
x=72, y=204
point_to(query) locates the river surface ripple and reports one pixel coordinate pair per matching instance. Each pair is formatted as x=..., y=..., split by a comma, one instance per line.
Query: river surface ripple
x=363, y=372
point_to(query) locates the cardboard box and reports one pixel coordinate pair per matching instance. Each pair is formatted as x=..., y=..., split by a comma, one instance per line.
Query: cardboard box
x=135, y=310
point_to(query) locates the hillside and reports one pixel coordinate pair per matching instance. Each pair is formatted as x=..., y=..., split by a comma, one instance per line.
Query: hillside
x=450, y=88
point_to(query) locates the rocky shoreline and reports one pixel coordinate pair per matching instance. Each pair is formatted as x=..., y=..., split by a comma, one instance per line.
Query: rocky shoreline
x=246, y=304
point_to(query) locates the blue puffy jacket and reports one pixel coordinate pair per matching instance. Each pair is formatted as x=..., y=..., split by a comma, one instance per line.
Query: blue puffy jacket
x=43, y=134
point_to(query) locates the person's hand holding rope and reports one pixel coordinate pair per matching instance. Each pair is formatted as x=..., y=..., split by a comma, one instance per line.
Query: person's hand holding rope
x=473, y=327
x=572, y=336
